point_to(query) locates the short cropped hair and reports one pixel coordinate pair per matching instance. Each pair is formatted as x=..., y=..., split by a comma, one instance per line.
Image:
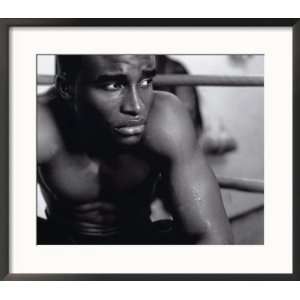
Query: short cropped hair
x=68, y=66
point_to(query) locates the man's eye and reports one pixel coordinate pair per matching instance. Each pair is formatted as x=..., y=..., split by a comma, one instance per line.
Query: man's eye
x=111, y=86
x=145, y=83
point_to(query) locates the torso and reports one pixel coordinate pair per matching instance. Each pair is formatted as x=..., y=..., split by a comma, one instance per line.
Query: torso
x=105, y=193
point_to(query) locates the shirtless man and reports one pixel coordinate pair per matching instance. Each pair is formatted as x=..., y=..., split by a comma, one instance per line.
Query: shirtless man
x=105, y=140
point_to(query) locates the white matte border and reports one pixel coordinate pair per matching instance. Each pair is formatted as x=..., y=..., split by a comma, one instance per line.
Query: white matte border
x=275, y=256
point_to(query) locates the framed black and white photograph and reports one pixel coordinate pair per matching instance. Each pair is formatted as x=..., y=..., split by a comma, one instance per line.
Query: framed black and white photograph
x=155, y=149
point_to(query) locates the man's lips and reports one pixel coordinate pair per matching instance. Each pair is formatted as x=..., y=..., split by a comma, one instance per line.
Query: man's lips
x=129, y=130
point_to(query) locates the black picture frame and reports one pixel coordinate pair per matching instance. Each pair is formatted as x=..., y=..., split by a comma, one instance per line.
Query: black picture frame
x=6, y=24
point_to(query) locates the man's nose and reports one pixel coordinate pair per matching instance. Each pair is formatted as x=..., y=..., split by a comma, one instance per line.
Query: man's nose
x=132, y=103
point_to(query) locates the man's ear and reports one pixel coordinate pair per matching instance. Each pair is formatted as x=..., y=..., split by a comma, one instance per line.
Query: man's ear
x=64, y=87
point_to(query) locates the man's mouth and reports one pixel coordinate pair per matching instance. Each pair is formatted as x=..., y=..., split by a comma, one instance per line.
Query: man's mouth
x=129, y=130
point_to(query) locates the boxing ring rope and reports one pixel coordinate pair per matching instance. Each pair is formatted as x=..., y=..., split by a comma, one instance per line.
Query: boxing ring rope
x=209, y=80
x=189, y=80
x=239, y=184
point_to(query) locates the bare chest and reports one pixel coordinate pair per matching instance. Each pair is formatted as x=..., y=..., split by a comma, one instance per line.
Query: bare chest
x=80, y=179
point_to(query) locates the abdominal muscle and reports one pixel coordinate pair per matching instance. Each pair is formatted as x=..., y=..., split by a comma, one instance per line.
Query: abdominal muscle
x=95, y=198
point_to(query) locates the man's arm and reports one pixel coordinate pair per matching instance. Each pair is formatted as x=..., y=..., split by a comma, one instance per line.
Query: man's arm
x=48, y=138
x=191, y=191
x=194, y=200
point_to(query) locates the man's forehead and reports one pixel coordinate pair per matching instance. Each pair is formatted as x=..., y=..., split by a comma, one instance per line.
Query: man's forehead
x=118, y=63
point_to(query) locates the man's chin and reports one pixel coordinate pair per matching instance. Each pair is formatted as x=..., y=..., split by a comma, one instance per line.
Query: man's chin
x=128, y=140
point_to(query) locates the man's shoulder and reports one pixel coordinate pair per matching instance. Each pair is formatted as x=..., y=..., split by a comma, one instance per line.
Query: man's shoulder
x=47, y=97
x=164, y=102
x=169, y=125
x=48, y=138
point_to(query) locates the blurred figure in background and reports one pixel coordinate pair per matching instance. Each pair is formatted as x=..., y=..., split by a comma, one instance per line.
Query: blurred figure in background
x=215, y=139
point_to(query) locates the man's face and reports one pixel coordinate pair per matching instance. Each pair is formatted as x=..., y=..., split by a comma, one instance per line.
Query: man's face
x=113, y=94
